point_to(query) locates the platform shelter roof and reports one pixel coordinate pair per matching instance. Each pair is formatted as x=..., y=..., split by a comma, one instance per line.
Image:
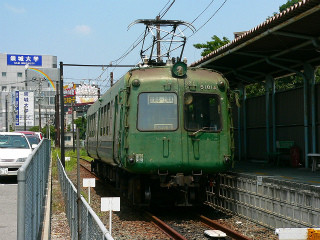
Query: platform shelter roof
x=279, y=46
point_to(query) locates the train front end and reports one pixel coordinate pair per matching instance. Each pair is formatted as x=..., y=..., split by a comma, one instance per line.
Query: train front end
x=177, y=127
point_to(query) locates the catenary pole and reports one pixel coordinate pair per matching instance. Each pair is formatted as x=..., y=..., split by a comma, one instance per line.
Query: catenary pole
x=62, y=116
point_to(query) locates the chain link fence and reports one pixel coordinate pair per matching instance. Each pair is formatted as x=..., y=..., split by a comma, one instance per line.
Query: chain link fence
x=91, y=226
x=32, y=188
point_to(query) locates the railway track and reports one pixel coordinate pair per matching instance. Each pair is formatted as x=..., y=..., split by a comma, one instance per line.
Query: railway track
x=178, y=227
x=186, y=225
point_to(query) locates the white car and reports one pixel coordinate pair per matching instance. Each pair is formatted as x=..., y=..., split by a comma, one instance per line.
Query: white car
x=14, y=150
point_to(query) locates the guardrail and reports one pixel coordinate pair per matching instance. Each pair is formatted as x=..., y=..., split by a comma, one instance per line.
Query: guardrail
x=32, y=185
x=91, y=226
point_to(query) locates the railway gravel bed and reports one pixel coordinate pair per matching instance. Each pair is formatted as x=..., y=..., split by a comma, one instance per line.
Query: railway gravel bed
x=130, y=222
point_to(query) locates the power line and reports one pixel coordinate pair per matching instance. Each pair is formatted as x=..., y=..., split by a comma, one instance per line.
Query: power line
x=202, y=12
x=165, y=12
x=141, y=36
x=209, y=18
x=163, y=8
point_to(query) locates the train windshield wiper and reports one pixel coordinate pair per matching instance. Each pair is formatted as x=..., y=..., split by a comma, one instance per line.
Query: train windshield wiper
x=198, y=131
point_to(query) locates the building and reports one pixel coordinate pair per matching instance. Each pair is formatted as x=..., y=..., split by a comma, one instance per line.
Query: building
x=28, y=87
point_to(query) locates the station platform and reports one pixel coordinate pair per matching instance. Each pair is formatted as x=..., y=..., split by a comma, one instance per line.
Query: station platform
x=261, y=168
x=270, y=195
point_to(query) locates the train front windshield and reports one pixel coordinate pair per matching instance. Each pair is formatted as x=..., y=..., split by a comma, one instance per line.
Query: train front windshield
x=202, y=112
x=157, y=112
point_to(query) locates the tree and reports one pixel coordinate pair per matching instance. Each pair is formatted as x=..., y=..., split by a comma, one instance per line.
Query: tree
x=288, y=4
x=211, y=45
x=82, y=125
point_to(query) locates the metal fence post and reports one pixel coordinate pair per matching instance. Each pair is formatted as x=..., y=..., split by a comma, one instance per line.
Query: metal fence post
x=32, y=179
x=21, y=204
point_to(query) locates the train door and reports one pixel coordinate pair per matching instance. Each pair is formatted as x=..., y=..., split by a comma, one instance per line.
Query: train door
x=116, y=139
x=202, y=121
x=158, y=121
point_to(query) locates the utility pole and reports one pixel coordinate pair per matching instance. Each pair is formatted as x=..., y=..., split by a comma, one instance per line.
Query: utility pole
x=158, y=41
x=62, y=116
x=73, y=140
x=57, y=119
x=25, y=118
x=39, y=115
x=39, y=101
x=111, y=79
x=7, y=113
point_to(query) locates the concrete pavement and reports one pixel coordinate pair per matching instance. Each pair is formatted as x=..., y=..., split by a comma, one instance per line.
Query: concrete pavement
x=8, y=208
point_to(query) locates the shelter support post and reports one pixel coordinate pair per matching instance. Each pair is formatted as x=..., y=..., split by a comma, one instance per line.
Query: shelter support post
x=244, y=112
x=274, y=126
x=305, y=107
x=268, y=87
x=241, y=143
x=305, y=122
x=310, y=75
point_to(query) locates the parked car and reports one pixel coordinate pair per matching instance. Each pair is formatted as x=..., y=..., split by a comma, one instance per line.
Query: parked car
x=33, y=140
x=14, y=150
x=28, y=133
x=40, y=135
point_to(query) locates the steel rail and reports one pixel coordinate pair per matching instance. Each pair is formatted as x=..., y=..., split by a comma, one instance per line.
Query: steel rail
x=231, y=233
x=165, y=227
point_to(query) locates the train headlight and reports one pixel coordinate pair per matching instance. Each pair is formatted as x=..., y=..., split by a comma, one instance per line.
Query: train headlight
x=136, y=83
x=227, y=159
x=221, y=85
x=131, y=159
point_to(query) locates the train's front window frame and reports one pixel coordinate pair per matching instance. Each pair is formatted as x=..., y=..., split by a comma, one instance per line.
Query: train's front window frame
x=202, y=111
x=157, y=112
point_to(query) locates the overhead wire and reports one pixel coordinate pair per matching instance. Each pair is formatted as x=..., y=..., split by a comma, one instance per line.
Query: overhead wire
x=140, y=38
x=209, y=18
x=165, y=12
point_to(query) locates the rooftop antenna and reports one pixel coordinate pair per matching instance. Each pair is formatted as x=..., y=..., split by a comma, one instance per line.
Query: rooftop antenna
x=165, y=33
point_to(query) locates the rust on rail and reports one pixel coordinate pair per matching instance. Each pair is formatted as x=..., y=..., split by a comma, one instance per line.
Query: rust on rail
x=229, y=232
x=166, y=228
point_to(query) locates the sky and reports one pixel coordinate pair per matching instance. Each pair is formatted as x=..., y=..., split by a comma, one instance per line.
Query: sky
x=96, y=31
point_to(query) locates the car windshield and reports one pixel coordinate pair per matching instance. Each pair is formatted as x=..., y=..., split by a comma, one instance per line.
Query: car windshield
x=13, y=141
x=33, y=139
x=202, y=112
x=157, y=112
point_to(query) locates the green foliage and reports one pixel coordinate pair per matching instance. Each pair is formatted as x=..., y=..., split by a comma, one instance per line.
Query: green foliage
x=282, y=84
x=82, y=125
x=211, y=45
x=288, y=4
x=69, y=165
x=44, y=131
x=255, y=89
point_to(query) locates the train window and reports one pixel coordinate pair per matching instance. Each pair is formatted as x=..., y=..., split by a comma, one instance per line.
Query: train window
x=104, y=119
x=108, y=120
x=100, y=119
x=202, y=111
x=157, y=112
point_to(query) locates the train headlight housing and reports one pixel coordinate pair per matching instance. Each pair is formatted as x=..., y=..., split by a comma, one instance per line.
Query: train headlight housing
x=179, y=69
x=136, y=83
x=221, y=85
x=131, y=159
x=227, y=159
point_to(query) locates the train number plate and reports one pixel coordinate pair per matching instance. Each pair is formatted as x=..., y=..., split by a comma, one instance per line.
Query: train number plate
x=3, y=171
x=139, y=158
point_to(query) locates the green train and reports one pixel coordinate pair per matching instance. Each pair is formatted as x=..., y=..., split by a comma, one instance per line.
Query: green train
x=161, y=132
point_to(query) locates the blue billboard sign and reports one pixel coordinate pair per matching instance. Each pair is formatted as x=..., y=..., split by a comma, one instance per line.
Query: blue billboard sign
x=18, y=59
